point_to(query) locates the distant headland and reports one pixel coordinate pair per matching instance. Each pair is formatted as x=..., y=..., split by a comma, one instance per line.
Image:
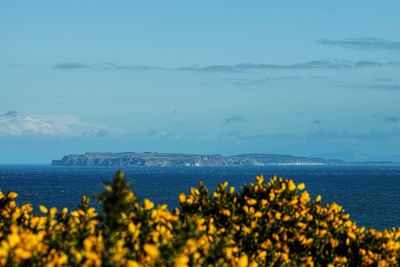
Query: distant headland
x=176, y=159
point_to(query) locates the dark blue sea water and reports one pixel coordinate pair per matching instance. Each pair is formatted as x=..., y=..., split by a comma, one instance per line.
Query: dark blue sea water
x=371, y=194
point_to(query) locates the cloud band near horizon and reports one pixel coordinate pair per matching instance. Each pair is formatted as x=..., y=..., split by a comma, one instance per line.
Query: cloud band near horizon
x=323, y=64
x=363, y=43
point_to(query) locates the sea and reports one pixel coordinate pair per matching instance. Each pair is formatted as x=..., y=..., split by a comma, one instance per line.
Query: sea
x=369, y=193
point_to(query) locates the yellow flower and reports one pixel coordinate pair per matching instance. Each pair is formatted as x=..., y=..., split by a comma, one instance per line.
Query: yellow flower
x=22, y=254
x=258, y=214
x=271, y=196
x=284, y=257
x=291, y=186
x=181, y=261
x=243, y=261
x=231, y=190
x=301, y=186
x=251, y=202
x=148, y=205
x=43, y=209
x=351, y=235
x=194, y=191
x=53, y=211
x=262, y=255
x=260, y=179
x=3, y=252
x=264, y=202
x=12, y=195
x=131, y=263
x=13, y=240
x=348, y=224
x=190, y=200
x=245, y=209
x=224, y=185
x=74, y=213
x=64, y=211
x=305, y=197
x=151, y=250
x=182, y=197
x=226, y=212
x=131, y=228
x=334, y=243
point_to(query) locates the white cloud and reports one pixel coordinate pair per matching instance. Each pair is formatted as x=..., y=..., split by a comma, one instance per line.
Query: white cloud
x=13, y=123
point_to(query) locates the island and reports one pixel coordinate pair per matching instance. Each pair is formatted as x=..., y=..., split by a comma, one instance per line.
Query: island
x=155, y=159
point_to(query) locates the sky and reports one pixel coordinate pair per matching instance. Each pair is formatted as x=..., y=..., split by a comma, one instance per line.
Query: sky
x=307, y=78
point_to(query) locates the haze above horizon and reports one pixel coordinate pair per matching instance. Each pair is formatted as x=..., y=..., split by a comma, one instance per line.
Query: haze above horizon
x=306, y=78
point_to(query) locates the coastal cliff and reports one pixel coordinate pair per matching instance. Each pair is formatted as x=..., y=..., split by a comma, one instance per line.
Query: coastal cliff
x=175, y=159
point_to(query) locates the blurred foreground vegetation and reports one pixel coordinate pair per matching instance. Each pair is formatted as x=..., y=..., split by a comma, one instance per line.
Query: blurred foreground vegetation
x=273, y=223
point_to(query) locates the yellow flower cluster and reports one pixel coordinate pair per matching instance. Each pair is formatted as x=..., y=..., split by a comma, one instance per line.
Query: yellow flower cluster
x=273, y=223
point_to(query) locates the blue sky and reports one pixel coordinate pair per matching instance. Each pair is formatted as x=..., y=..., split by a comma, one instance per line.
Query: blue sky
x=288, y=77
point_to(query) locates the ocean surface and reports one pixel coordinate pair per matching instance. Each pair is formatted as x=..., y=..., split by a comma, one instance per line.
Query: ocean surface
x=371, y=194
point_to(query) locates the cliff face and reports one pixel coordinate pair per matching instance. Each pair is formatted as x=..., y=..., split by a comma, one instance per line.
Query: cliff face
x=169, y=159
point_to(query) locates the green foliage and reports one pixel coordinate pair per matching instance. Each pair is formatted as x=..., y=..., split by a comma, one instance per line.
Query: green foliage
x=264, y=224
x=116, y=200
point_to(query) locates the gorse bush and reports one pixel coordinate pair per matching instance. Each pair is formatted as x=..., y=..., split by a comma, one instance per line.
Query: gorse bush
x=265, y=224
